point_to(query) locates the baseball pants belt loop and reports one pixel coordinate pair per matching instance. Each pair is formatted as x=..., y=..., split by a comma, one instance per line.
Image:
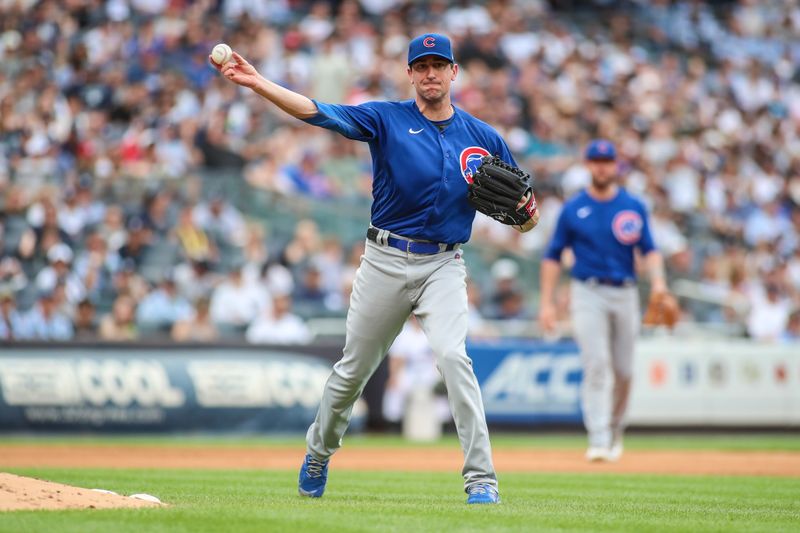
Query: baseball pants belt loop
x=409, y=246
x=383, y=237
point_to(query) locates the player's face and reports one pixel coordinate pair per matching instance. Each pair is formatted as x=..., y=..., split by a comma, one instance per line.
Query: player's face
x=603, y=172
x=432, y=76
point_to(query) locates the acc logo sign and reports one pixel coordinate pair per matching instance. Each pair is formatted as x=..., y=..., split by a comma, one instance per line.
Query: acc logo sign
x=429, y=42
x=627, y=227
x=470, y=159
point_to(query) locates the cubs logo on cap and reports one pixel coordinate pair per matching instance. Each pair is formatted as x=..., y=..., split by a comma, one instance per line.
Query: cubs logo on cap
x=601, y=150
x=430, y=44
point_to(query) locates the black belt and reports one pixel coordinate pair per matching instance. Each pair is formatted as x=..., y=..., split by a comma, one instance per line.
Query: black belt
x=608, y=281
x=411, y=247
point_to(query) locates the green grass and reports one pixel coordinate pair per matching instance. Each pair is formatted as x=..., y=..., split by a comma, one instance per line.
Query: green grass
x=266, y=501
x=565, y=441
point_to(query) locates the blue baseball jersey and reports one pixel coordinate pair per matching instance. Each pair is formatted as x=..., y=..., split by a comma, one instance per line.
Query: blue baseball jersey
x=420, y=174
x=602, y=235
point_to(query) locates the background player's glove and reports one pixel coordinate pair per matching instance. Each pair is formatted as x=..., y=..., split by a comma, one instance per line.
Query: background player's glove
x=662, y=310
x=504, y=193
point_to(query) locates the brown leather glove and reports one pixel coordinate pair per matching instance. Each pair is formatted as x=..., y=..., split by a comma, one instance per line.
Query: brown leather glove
x=662, y=310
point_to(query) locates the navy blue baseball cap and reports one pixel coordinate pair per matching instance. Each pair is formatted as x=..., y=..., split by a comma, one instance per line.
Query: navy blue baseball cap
x=601, y=150
x=430, y=44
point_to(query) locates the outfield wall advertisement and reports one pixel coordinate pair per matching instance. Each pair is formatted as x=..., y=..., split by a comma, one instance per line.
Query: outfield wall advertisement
x=715, y=383
x=524, y=383
x=144, y=390
x=676, y=382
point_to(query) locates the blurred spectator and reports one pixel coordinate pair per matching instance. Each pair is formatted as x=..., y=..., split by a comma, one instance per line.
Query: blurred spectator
x=277, y=278
x=91, y=210
x=255, y=253
x=127, y=281
x=59, y=273
x=221, y=220
x=672, y=243
x=43, y=232
x=510, y=305
x=507, y=299
x=477, y=326
x=330, y=262
x=333, y=72
x=138, y=242
x=157, y=213
x=307, y=178
x=305, y=243
x=792, y=333
x=163, y=306
x=767, y=224
x=71, y=217
x=769, y=314
x=95, y=266
x=236, y=304
x=85, y=323
x=195, y=279
x=412, y=365
x=198, y=327
x=12, y=277
x=11, y=320
x=194, y=243
x=278, y=325
x=44, y=321
x=112, y=228
x=119, y=324
x=309, y=292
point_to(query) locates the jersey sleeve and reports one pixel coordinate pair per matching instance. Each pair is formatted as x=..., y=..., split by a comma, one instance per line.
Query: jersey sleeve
x=560, y=238
x=359, y=122
x=646, y=244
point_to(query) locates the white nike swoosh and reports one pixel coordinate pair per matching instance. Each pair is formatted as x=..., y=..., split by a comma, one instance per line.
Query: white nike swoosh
x=412, y=132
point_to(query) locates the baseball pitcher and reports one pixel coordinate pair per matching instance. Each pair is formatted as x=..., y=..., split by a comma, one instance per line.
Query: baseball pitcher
x=426, y=154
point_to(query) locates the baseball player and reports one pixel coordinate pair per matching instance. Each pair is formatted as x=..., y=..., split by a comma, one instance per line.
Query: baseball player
x=603, y=225
x=424, y=152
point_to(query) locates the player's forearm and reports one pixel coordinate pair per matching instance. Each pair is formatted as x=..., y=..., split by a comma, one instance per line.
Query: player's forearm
x=548, y=278
x=655, y=269
x=295, y=104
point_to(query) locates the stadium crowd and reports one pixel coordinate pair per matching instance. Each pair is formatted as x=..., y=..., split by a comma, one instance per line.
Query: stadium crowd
x=702, y=99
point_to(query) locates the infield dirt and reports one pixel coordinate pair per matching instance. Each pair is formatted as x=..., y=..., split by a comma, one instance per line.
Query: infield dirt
x=688, y=462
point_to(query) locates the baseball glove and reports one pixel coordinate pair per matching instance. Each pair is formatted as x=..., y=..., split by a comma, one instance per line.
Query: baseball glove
x=662, y=310
x=504, y=193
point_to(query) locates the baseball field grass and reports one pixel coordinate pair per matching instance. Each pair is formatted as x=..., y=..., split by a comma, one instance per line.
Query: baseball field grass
x=266, y=500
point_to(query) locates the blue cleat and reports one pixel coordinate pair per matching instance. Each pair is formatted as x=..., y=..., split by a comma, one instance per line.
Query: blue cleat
x=483, y=493
x=313, y=476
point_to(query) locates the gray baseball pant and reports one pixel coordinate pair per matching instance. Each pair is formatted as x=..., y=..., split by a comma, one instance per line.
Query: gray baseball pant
x=606, y=322
x=389, y=285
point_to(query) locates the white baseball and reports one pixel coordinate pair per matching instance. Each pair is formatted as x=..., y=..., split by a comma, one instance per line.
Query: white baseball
x=221, y=54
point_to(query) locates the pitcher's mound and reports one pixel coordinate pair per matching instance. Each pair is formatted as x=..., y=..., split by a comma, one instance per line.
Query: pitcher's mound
x=19, y=493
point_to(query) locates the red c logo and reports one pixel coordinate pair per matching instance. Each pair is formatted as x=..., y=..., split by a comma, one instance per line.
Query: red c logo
x=470, y=159
x=429, y=42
